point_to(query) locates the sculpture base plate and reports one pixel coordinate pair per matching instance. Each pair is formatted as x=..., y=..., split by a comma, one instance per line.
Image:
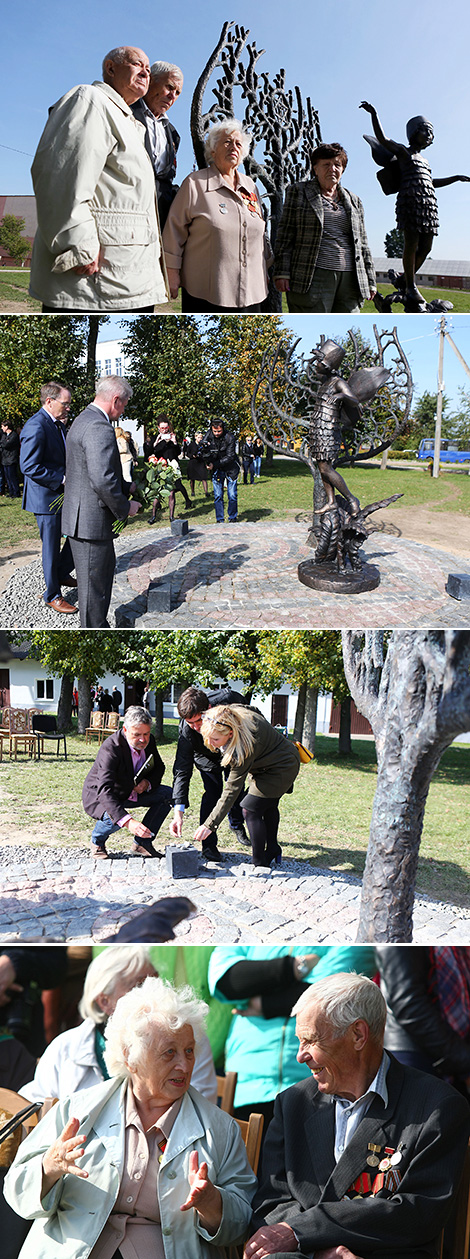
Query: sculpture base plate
x=326, y=577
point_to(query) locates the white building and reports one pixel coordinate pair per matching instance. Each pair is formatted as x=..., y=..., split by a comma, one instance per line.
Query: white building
x=111, y=361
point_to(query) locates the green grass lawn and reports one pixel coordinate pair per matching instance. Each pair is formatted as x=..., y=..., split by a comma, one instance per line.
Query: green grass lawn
x=284, y=491
x=14, y=288
x=325, y=822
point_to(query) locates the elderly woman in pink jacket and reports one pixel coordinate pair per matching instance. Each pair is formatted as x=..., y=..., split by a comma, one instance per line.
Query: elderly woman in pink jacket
x=214, y=238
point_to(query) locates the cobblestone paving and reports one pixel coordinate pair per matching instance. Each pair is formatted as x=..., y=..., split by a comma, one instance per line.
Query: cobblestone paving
x=246, y=575
x=49, y=895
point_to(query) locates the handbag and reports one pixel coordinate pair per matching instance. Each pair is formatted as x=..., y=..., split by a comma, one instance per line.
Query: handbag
x=305, y=755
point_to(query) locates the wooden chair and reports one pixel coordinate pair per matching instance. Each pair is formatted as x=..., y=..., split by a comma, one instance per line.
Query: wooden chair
x=111, y=724
x=20, y=733
x=226, y=1085
x=95, y=729
x=252, y=1131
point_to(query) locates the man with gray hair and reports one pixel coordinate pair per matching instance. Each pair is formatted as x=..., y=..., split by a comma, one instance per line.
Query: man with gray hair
x=95, y=496
x=98, y=244
x=161, y=138
x=127, y=774
x=365, y=1158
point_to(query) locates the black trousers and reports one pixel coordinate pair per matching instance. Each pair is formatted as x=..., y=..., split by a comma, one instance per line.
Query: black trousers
x=261, y=814
x=213, y=782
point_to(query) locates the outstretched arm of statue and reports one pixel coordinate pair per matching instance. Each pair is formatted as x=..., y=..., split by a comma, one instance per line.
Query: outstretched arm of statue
x=391, y=145
x=451, y=179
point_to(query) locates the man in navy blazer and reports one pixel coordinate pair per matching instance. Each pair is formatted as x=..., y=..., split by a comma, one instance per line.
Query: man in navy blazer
x=365, y=1158
x=42, y=462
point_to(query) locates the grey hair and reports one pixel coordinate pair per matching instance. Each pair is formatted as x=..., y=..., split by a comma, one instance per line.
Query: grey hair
x=344, y=998
x=117, y=56
x=142, y=1016
x=137, y=715
x=117, y=961
x=225, y=127
x=160, y=70
x=52, y=390
x=110, y=385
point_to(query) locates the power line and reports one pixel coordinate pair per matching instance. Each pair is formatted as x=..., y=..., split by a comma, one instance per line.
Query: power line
x=11, y=150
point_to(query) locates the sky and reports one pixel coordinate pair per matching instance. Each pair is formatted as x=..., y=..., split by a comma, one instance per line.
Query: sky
x=418, y=335
x=406, y=58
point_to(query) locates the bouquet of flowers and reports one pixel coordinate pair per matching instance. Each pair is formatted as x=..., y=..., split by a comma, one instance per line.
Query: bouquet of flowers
x=154, y=481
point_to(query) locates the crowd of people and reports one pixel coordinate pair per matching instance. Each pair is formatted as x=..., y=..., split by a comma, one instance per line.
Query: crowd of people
x=362, y=1152
x=78, y=482
x=125, y=236
x=246, y=766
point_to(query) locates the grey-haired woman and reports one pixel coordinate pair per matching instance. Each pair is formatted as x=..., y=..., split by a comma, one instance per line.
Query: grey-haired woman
x=214, y=238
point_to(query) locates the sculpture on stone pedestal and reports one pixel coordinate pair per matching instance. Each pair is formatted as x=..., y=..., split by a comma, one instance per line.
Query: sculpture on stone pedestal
x=309, y=410
x=408, y=173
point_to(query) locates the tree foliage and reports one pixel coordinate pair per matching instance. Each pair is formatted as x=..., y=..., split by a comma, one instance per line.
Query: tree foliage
x=235, y=347
x=11, y=238
x=169, y=371
x=33, y=351
x=394, y=243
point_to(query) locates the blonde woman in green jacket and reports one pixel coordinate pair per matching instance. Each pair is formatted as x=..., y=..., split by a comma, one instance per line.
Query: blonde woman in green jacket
x=251, y=746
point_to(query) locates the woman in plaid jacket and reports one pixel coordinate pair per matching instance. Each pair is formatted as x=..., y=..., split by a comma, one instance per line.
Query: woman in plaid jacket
x=322, y=257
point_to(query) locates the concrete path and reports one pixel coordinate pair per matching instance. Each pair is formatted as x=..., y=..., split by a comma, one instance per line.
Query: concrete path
x=56, y=895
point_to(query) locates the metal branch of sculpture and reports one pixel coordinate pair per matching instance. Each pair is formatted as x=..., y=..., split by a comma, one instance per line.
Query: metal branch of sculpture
x=417, y=699
x=284, y=128
x=307, y=410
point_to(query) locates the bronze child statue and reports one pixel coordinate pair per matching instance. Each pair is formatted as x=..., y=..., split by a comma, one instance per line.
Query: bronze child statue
x=337, y=405
x=407, y=172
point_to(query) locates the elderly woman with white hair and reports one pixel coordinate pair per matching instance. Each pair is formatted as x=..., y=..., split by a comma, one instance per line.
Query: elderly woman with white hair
x=251, y=746
x=141, y=1165
x=75, y=1059
x=214, y=238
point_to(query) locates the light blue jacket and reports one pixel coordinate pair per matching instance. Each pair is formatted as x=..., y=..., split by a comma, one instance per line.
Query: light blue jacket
x=72, y=1216
x=264, y=1051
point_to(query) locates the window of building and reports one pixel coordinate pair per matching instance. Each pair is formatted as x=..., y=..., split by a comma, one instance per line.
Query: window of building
x=119, y=367
x=44, y=688
x=107, y=367
x=98, y=367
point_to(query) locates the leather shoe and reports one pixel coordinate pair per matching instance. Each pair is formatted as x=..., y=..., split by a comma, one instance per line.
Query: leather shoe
x=61, y=605
x=239, y=833
x=212, y=854
x=145, y=849
x=99, y=852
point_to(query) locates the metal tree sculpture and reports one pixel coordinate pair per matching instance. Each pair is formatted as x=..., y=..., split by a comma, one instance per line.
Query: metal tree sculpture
x=417, y=699
x=285, y=403
x=276, y=116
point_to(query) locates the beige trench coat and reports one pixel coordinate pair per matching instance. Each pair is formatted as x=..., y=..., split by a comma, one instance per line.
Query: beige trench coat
x=95, y=189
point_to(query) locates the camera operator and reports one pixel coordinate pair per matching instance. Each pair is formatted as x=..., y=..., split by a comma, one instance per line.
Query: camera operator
x=24, y=972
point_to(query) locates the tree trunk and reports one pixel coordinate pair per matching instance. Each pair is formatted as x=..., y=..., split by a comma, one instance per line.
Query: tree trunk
x=310, y=718
x=84, y=703
x=344, y=742
x=384, y=459
x=158, y=715
x=417, y=701
x=64, y=707
x=94, y=322
x=300, y=713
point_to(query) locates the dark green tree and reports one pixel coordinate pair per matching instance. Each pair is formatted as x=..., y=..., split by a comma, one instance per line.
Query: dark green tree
x=170, y=371
x=459, y=422
x=394, y=243
x=33, y=351
x=12, y=240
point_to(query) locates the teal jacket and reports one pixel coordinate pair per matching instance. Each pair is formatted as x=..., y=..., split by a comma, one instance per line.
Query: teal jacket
x=262, y=1051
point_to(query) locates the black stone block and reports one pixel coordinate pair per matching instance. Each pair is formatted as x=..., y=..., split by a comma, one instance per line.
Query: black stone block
x=179, y=527
x=159, y=596
x=458, y=585
x=182, y=863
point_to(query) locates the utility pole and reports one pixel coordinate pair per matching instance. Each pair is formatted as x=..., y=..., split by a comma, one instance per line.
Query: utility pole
x=440, y=390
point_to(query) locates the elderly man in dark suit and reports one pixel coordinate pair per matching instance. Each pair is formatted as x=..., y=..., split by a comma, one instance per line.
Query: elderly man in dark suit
x=127, y=774
x=161, y=138
x=365, y=1158
x=95, y=496
x=42, y=462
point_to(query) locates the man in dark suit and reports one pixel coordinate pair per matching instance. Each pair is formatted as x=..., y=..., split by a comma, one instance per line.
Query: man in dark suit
x=365, y=1158
x=110, y=790
x=191, y=752
x=42, y=462
x=95, y=496
x=161, y=138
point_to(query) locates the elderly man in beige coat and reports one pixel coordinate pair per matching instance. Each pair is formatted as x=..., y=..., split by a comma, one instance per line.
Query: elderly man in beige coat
x=98, y=244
